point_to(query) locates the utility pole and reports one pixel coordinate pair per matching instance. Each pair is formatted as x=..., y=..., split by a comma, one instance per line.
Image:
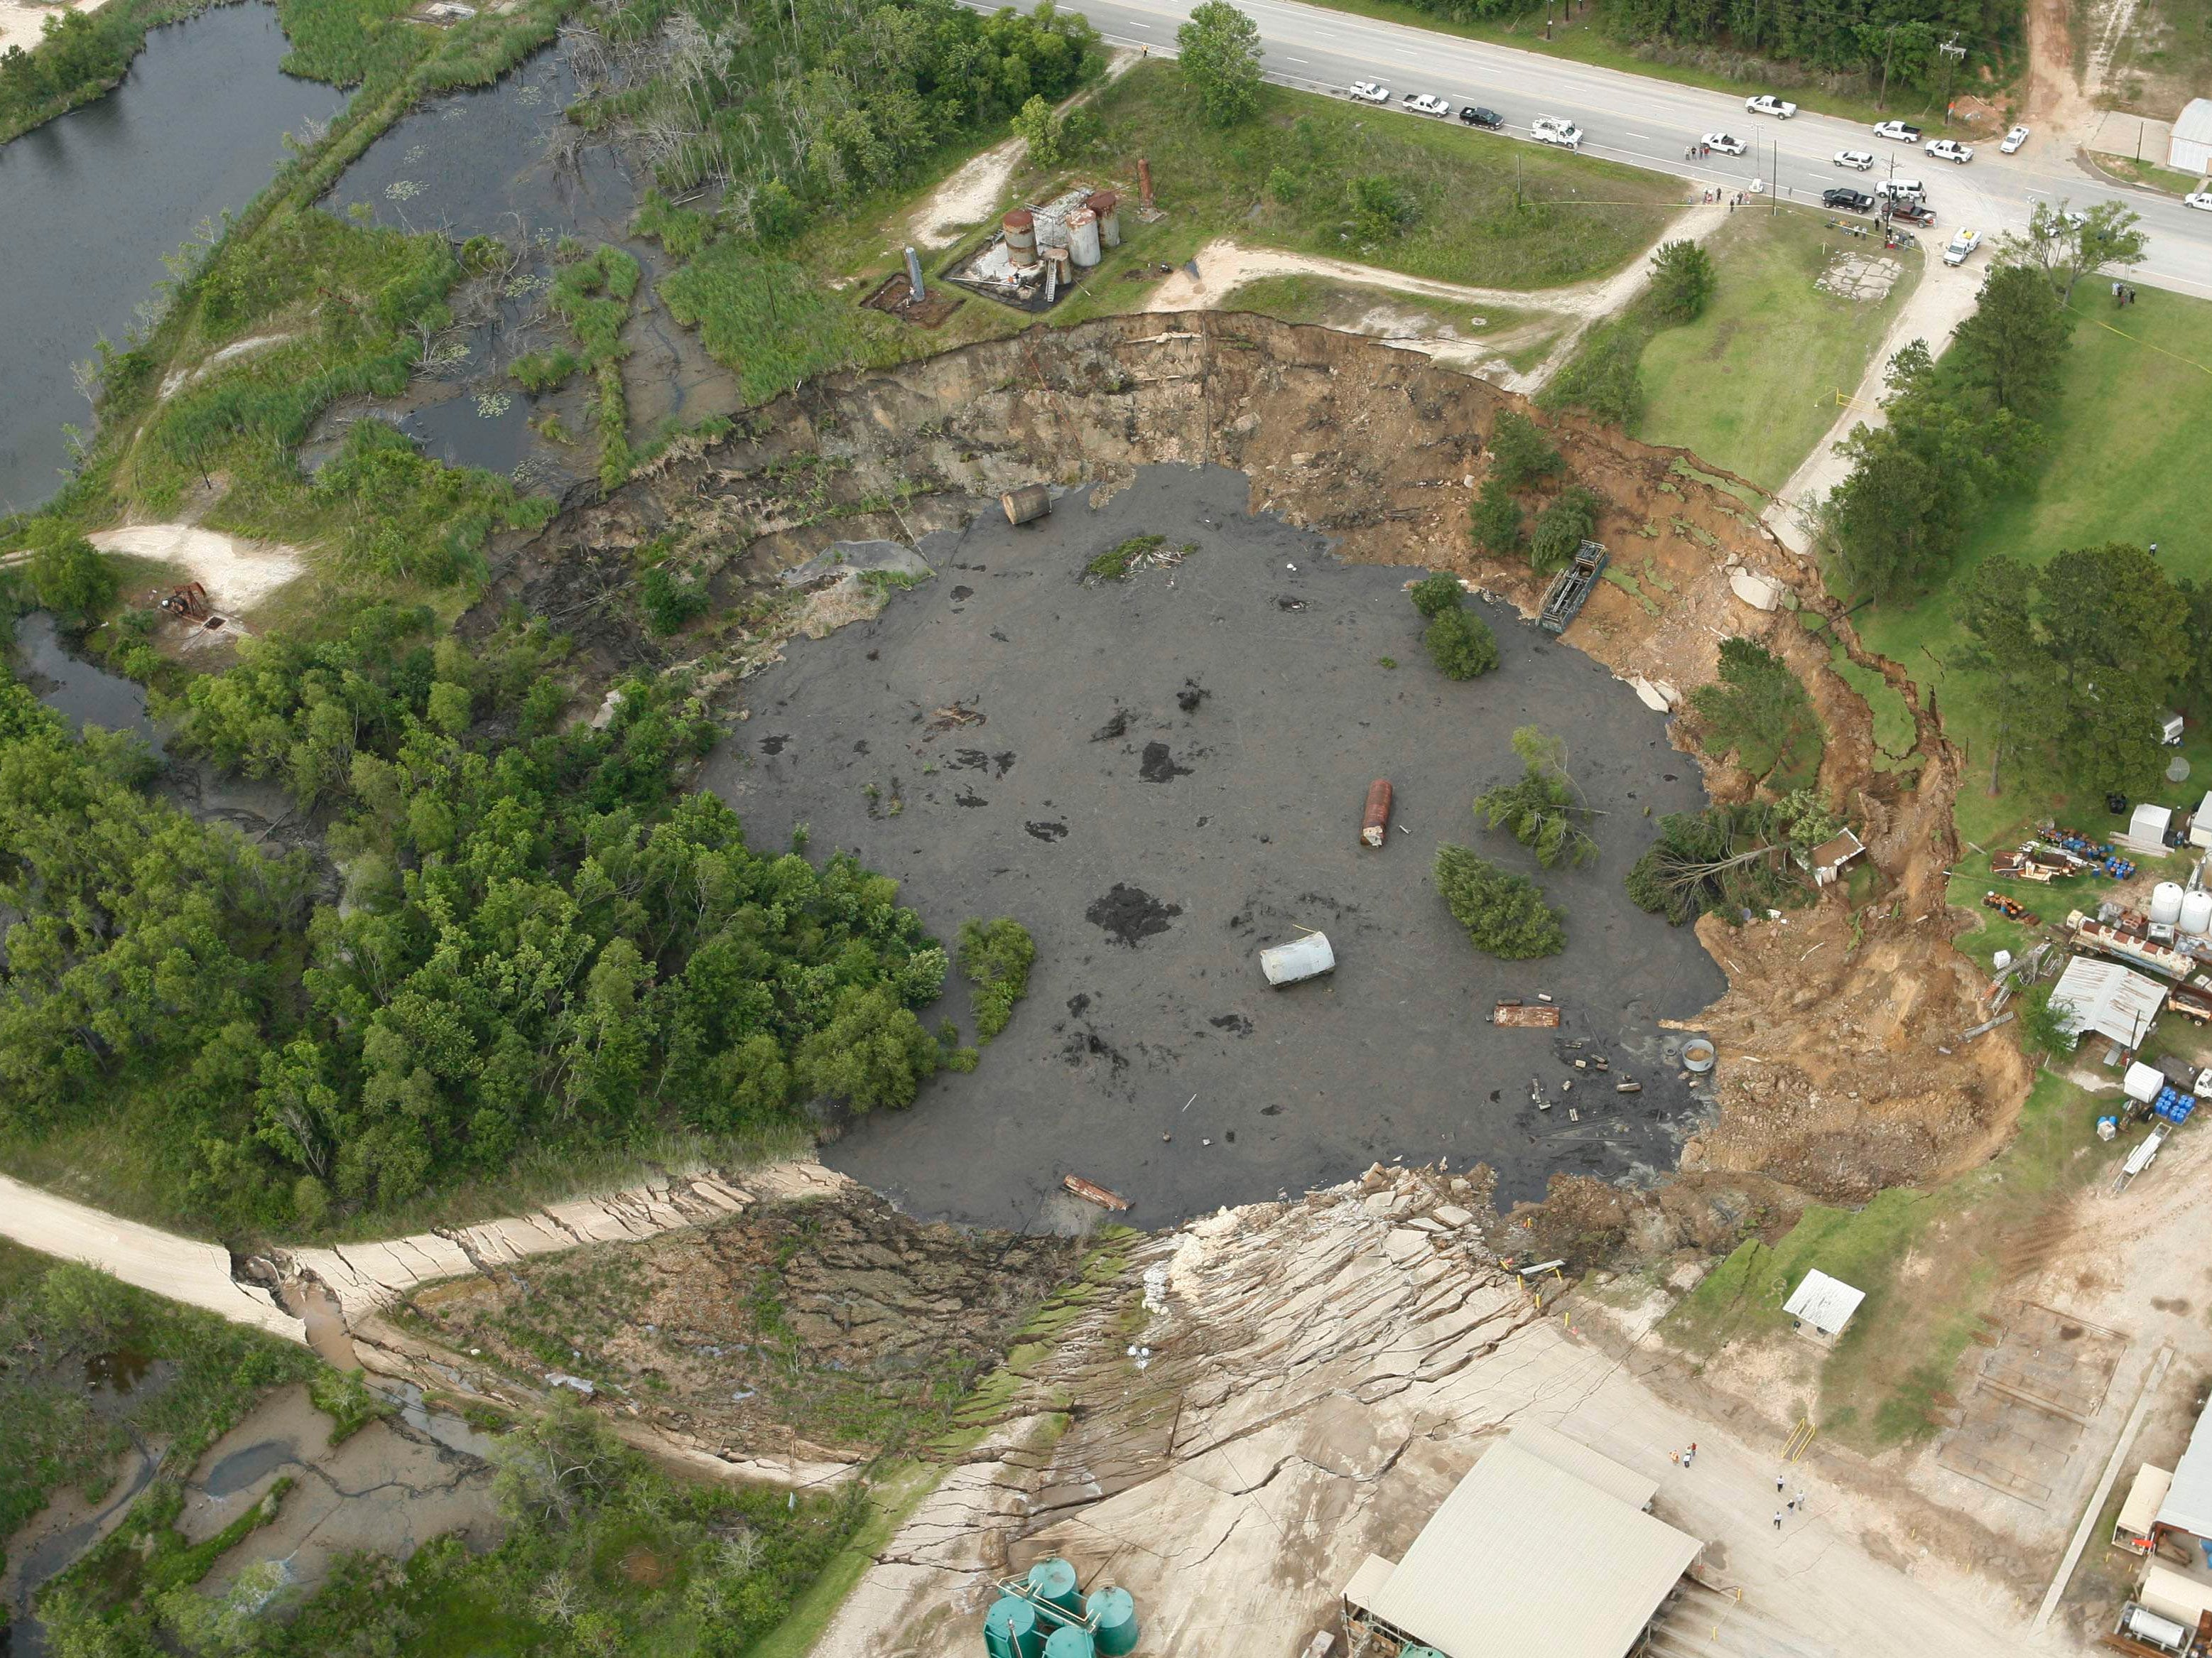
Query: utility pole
x=1953, y=55
x=1888, y=44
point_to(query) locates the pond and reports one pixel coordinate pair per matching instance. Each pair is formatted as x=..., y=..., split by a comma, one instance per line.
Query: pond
x=92, y=201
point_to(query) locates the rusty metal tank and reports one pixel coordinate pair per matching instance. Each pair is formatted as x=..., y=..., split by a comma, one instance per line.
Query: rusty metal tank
x=1020, y=226
x=1107, y=206
x=1375, y=824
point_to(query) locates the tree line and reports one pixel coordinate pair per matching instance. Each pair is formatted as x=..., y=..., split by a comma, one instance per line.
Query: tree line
x=535, y=936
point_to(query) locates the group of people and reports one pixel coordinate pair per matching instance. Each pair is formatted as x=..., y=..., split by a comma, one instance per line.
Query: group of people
x=1696, y=152
x=2123, y=294
x=1796, y=1504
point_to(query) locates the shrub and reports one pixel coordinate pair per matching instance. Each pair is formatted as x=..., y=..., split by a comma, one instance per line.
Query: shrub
x=669, y=602
x=1561, y=528
x=1495, y=523
x=1543, y=808
x=1519, y=452
x=1379, y=209
x=1683, y=278
x=1433, y=595
x=1461, y=645
x=996, y=956
x=1605, y=378
x=1504, y=914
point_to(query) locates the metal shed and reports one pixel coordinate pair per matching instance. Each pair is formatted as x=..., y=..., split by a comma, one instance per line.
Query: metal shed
x=2191, y=148
x=2174, y=1594
x=2140, y=1512
x=2188, y=1502
x=2107, y=999
x=2146, y=832
x=1823, y=1304
x=1530, y=1594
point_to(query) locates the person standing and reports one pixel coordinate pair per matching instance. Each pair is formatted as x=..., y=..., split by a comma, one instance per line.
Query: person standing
x=1778, y=1484
x=1778, y=1520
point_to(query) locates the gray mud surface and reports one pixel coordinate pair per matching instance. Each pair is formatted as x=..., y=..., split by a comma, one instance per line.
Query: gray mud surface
x=1168, y=777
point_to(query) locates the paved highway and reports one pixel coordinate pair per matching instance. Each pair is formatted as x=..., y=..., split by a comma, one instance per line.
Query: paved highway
x=1649, y=124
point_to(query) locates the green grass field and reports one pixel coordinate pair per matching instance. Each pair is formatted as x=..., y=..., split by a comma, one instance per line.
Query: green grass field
x=2125, y=464
x=1750, y=384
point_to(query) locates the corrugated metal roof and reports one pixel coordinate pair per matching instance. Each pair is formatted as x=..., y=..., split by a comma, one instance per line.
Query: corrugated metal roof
x=1826, y=1303
x=1572, y=1456
x=1368, y=1582
x=1524, y=1558
x=2194, y=124
x=2148, y=1491
x=2108, y=998
x=2174, y=1594
x=2188, y=1502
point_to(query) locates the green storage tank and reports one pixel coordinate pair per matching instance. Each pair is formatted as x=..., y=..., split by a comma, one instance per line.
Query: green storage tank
x=1071, y=1642
x=1010, y=1629
x=1053, y=1579
x=1114, y=1615
x=1420, y=1652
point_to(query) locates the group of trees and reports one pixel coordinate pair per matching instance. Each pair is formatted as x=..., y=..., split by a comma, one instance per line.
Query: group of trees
x=2082, y=656
x=1504, y=913
x=77, y=53
x=539, y=940
x=1758, y=711
x=1459, y=641
x=1960, y=432
x=1521, y=457
x=1606, y=377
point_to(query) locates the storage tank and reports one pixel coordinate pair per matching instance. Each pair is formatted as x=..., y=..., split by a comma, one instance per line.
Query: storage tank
x=2147, y=1625
x=1030, y=502
x=1302, y=958
x=1020, y=226
x=1010, y=1629
x=1053, y=1579
x=1107, y=206
x=1114, y=1615
x=1071, y=1642
x=1083, y=238
x=2142, y=1082
x=2195, y=914
x=2166, y=904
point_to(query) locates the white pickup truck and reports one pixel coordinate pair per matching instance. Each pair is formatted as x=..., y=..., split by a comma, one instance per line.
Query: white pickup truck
x=1962, y=245
x=1767, y=104
x=1556, y=129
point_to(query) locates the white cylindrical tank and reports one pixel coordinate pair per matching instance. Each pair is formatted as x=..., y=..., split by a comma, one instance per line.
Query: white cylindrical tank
x=2142, y=1082
x=1302, y=958
x=2166, y=902
x=1083, y=237
x=2196, y=913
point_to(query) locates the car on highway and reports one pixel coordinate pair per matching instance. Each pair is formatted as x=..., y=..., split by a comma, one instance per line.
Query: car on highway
x=1962, y=243
x=1949, y=149
x=1557, y=131
x=2013, y=140
x=1476, y=116
x=1900, y=132
x=1370, y=91
x=1851, y=201
x=2198, y=199
x=1426, y=103
x=1858, y=160
x=1767, y=104
x=1725, y=142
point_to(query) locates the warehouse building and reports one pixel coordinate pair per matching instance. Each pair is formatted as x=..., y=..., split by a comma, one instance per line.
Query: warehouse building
x=1488, y=1578
x=2189, y=149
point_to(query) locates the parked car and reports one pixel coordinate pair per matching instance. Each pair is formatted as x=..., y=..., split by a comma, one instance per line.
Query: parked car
x=1488, y=119
x=2198, y=199
x=1901, y=190
x=1962, y=243
x=1918, y=213
x=1858, y=160
x=1901, y=132
x=1723, y=143
x=2013, y=140
x=1949, y=149
x=1767, y=104
x=1850, y=201
x=1426, y=103
x=1556, y=129
x=1371, y=92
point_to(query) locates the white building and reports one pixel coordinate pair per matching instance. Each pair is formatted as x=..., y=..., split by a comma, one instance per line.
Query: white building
x=1821, y=1306
x=2108, y=998
x=2191, y=148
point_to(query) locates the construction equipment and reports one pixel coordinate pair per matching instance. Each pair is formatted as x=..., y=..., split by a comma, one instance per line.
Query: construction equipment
x=1571, y=588
x=189, y=601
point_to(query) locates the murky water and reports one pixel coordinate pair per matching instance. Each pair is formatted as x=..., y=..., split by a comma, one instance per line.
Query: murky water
x=90, y=202
x=89, y=696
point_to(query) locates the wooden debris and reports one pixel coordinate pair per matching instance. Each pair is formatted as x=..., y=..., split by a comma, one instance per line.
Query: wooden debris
x=1093, y=1193
x=1521, y=1014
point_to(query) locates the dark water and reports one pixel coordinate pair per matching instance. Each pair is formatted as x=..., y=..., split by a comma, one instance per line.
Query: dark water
x=89, y=696
x=90, y=202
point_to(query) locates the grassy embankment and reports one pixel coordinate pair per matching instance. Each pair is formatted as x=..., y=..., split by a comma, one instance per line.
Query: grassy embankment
x=1930, y=1262
x=1750, y=385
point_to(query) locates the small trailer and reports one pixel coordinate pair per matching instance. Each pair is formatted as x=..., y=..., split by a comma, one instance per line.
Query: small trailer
x=1571, y=588
x=1375, y=824
x=1299, y=960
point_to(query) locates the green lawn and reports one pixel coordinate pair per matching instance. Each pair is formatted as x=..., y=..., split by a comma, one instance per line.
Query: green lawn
x=2126, y=464
x=2149, y=172
x=1931, y=1263
x=1750, y=384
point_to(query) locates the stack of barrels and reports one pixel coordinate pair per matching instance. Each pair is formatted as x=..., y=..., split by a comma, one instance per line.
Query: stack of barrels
x=1051, y=1618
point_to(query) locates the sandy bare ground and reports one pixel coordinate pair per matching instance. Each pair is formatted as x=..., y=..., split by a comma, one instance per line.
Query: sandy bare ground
x=238, y=573
x=1945, y=298
x=23, y=25
x=1320, y=1375
x=178, y=379
x=2055, y=101
x=1225, y=264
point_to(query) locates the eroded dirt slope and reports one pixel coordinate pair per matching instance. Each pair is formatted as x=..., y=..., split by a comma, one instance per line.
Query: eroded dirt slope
x=1848, y=1014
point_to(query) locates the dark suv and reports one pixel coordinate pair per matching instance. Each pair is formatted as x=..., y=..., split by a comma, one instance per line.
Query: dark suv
x=1851, y=201
x=1488, y=119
